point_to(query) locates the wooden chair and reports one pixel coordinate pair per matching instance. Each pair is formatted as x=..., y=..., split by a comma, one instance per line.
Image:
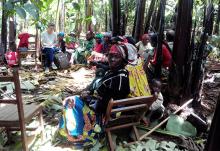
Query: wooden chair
x=33, y=48
x=131, y=111
x=14, y=115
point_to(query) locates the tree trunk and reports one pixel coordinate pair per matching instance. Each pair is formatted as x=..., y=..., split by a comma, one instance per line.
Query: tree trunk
x=123, y=25
x=12, y=33
x=212, y=143
x=181, y=50
x=149, y=15
x=139, y=28
x=157, y=22
x=204, y=13
x=116, y=16
x=110, y=15
x=174, y=18
x=57, y=15
x=210, y=10
x=88, y=13
x=216, y=29
x=106, y=17
x=4, y=31
x=124, y=17
x=198, y=65
x=135, y=18
x=62, y=17
x=153, y=20
x=160, y=39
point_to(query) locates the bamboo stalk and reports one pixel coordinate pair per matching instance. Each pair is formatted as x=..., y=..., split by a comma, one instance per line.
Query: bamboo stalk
x=165, y=120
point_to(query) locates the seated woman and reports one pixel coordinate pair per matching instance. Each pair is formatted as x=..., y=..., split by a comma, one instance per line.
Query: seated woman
x=107, y=42
x=144, y=47
x=81, y=120
x=81, y=54
x=166, y=59
x=98, y=43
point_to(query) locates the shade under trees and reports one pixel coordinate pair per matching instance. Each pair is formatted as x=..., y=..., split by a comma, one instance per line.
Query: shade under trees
x=181, y=49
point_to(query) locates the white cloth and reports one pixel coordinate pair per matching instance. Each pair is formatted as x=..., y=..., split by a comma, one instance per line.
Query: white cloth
x=158, y=103
x=48, y=40
x=143, y=48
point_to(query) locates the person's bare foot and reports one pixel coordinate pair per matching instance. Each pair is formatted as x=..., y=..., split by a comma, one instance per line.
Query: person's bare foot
x=145, y=121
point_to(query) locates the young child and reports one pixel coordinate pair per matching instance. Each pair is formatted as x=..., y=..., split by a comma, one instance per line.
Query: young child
x=61, y=43
x=156, y=110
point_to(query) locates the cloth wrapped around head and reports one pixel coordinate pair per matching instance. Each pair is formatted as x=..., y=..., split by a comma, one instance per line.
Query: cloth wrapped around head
x=127, y=51
x=98, y=36
x=61, y=34
x=107, y=34
x=121, y=50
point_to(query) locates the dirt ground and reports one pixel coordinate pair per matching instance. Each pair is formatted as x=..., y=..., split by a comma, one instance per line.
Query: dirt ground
x=50, y=89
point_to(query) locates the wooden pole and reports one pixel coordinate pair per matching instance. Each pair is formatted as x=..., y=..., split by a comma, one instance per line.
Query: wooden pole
x=165, y=120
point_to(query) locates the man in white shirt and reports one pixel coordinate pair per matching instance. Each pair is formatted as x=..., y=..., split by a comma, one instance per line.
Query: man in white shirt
x=48, y=41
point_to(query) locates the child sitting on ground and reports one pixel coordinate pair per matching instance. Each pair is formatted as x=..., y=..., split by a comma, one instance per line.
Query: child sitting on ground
x=61, y=43
x=156, y=110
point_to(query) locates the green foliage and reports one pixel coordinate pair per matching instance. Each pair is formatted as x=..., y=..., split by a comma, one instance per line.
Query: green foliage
x=21, y=12
x=76, y=6
x=32, y=10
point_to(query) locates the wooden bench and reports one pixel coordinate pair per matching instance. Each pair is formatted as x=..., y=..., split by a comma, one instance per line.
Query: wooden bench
x=14, y=115
x=131, y=111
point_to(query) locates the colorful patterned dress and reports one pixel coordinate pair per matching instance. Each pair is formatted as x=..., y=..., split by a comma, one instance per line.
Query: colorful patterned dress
x=81, y=123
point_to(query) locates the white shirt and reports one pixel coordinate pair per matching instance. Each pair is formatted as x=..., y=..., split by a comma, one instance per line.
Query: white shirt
x=158, y=103
x=48, y=40
x=143, y=48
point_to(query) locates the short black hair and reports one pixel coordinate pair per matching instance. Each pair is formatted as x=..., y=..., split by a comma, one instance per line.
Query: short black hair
x=170, y=34
x=156, y=82
x=153, y=37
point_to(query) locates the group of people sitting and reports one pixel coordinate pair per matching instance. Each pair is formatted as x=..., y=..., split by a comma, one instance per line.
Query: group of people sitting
x=119, y=63
x=119, y=74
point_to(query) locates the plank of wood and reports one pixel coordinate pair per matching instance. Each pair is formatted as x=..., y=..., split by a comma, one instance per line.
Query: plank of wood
x=9, y=113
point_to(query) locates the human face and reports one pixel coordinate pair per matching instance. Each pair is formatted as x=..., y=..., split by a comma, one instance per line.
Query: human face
x=115, y=60
x=153, y=43
x=156, y=86
x=106, y=39
x=50, y=29
x=88, y=36
x=60, y=38
x=98, y=40
x=145, y=40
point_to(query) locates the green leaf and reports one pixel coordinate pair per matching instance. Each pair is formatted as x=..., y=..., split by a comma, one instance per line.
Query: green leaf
x=21, y=12
x=32, y=10
x=76, y=6
x=88, y=19
x=8, y=6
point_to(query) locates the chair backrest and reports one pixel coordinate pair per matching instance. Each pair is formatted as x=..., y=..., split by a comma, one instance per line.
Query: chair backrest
x=15, y=79
x=136, y=106
x=32, y=42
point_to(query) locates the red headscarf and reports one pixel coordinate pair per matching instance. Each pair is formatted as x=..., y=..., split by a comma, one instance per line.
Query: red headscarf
x=119, y=49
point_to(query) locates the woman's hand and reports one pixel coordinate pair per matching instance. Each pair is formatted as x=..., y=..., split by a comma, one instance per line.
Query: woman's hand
x=69, y=102
x=84, y=95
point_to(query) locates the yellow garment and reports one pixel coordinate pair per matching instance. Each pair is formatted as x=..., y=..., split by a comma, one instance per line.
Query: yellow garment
x=138, y=81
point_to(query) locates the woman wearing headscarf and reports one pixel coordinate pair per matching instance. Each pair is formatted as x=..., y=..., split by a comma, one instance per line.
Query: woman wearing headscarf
x=81, y=54
x=107, y=42
x=98, y=45
x=81, y=115
x=144, y=47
